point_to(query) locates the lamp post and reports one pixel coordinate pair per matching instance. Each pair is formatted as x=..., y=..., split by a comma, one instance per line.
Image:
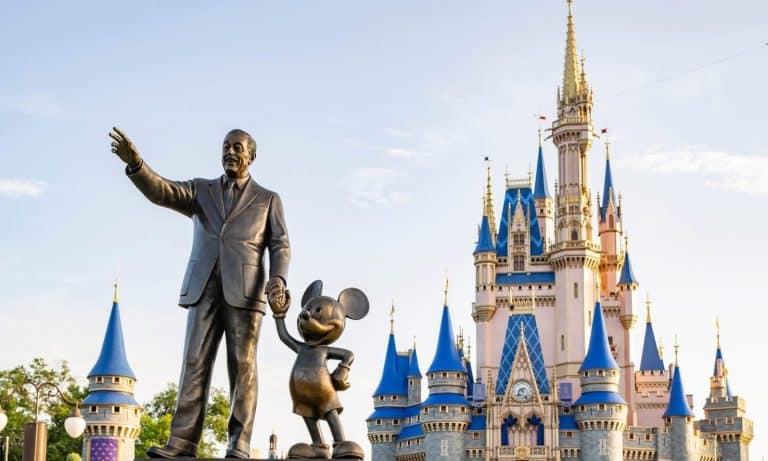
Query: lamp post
x=36, y=432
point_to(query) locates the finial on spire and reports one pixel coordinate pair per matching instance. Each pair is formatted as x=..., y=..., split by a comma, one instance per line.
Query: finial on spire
x=677, y=349
x=392, y=318
x=661, y=350
x=506, y=175
x=460, y=339
x=509, y=296
x=539, y=136
x=717, y=330
x=607, y=146
x=469, y=348
x=626, y=243
x=414, y=342
x=445, y=291
x=117, y=279
x=647, y=307
x=530, y=174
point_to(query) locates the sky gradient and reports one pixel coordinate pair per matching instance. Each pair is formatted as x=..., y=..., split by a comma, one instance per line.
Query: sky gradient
x=372, y=121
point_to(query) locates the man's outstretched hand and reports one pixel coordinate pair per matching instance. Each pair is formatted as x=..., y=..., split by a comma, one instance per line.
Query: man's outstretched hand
x=123, y=147
x=278, y=297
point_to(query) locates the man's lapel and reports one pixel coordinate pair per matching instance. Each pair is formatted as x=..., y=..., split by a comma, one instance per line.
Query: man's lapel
x=217, y=195
x=249, y=193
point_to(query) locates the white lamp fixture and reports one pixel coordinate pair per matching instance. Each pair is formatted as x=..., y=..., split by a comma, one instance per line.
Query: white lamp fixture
x=75, y=424
x=3, y=419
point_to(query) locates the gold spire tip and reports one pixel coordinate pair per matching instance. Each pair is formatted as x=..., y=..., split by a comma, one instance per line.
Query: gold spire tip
x=117, y=278
x=647, y=307
x=717, y=330
x=539, y=136
x=392, y=317
x=677, y=349
x=445, y=291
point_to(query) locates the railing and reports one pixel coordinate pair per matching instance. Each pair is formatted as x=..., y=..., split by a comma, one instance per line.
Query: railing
x=575, y=244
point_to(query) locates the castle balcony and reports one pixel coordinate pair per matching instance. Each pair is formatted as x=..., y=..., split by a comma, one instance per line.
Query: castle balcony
x=508, y=453
x=574, y=244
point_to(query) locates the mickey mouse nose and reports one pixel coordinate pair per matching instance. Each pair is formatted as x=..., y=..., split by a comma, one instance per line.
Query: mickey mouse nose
x=304, y=315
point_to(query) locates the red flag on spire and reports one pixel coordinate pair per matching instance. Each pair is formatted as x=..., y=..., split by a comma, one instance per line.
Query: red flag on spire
x=604, y=131
x=542, y=117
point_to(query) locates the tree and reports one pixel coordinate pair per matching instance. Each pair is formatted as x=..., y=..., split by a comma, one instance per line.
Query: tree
x=18, y=401
x=156, y=422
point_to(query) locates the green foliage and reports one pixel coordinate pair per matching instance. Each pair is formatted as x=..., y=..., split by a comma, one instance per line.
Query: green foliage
x=18, y=400
x=73, y=457
x=156, y=422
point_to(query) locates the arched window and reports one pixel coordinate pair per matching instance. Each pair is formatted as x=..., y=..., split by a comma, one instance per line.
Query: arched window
x=575, y=290
x=611, y=223
x=574, y=234
x=562, y=342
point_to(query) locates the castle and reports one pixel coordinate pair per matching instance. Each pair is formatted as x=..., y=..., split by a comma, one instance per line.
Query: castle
x=553, y=311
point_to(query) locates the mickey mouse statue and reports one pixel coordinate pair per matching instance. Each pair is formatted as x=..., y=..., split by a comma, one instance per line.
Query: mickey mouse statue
x=313, y=389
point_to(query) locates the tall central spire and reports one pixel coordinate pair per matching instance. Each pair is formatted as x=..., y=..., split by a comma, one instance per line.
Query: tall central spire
x=571, y=71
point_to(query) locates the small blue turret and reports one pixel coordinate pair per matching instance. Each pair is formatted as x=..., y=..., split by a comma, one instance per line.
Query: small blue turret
x=389, y=401
x=414, y=378
x=627, y=277
x=110, y=410
x=601, y=412
x=541, y=189
x=678, y=418
x=651, y=359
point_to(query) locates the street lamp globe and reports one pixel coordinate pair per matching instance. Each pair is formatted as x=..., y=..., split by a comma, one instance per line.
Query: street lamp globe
x=75, y=424
x=3, y=419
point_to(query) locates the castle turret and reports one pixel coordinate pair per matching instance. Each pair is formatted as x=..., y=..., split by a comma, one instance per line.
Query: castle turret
x=111, y=412
x=542, y=200
x=485, y=256
x=678, y=419
x=610, y=231
x=601, y=412
x=446, y=414
x=651, y=380
x=389, y=401
x=725, y=413
x=414, y=378
x=273, y=453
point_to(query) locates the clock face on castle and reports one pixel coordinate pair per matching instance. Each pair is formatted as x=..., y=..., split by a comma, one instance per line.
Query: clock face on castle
x=522, y=391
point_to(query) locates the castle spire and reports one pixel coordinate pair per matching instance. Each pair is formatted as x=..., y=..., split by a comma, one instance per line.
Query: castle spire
x=651, y=357
x=599, y=354
x=541, y=189
x=678, y=405
x=391, y=382
x=488, y=200
x=609, y=191
x=112, y=360
x=446, y=356
x=571, y=73
x=627, y=277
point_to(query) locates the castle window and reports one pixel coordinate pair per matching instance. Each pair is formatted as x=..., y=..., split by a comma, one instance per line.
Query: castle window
x=574, y=234
x=99, y=380
x=479, y=411
x=575, y=290
x=569, y=434
x=475, y=436
x=426, y=411
x=648, y=437
x=610, y=340
x=93, y=409
x=518, y=239
x=378, y=422
x=115, y=380
x=562, y=342
x=631, y=436
x=115, y=409
x=443, y=375
x=458, y=375
x=601, y=407
x=395, y=422
x=518, y=263
x=394, y=397
x=410, y=383
x=381, y=397
x=136, y=412
x=611, y=223
x=443, y=409
x=462, y=409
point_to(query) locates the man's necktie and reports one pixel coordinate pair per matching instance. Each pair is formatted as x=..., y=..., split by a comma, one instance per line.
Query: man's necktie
x=229, y=196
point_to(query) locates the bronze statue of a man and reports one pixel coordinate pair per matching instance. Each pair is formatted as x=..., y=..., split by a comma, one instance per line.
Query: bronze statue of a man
x=235, y=220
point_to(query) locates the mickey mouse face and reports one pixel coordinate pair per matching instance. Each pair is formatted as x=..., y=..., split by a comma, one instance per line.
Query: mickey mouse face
x=321, y=321
x=322, y=318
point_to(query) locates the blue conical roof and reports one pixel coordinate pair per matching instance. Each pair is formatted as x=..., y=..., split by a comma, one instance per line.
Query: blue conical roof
x=608, y=189
x=392, y=382
x=599, y=356
x=446, y=356
x=719, y=356
x=484, y=240
x=627, y=277
x=651, y=360
x=541, y=190
x=678, y=405
x=112, y=360
x=413, y=364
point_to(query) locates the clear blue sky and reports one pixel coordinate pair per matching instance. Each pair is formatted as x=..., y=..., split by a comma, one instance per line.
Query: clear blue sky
x=372, y=121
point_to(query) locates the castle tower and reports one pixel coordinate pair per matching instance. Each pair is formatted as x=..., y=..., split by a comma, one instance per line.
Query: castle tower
x=724, y=414
x=651, y=380
x=485, y=276
x=414, y=378
x=601, y=412
x=575, y=256
x=678, y=419
x=446, y=414
x=389, y=402
x=619, y=328
x=111, y=412
x=542, y=200
x=610, y=231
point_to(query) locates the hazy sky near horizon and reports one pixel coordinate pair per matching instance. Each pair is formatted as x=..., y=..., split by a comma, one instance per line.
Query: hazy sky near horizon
x=373, y=119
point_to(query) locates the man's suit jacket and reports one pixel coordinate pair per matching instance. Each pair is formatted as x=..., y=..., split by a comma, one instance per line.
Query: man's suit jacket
x=237, y=240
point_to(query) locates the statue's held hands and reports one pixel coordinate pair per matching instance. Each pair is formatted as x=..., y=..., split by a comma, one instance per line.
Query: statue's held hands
x=278, y=297
x=340, y=377
x=123, y=147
